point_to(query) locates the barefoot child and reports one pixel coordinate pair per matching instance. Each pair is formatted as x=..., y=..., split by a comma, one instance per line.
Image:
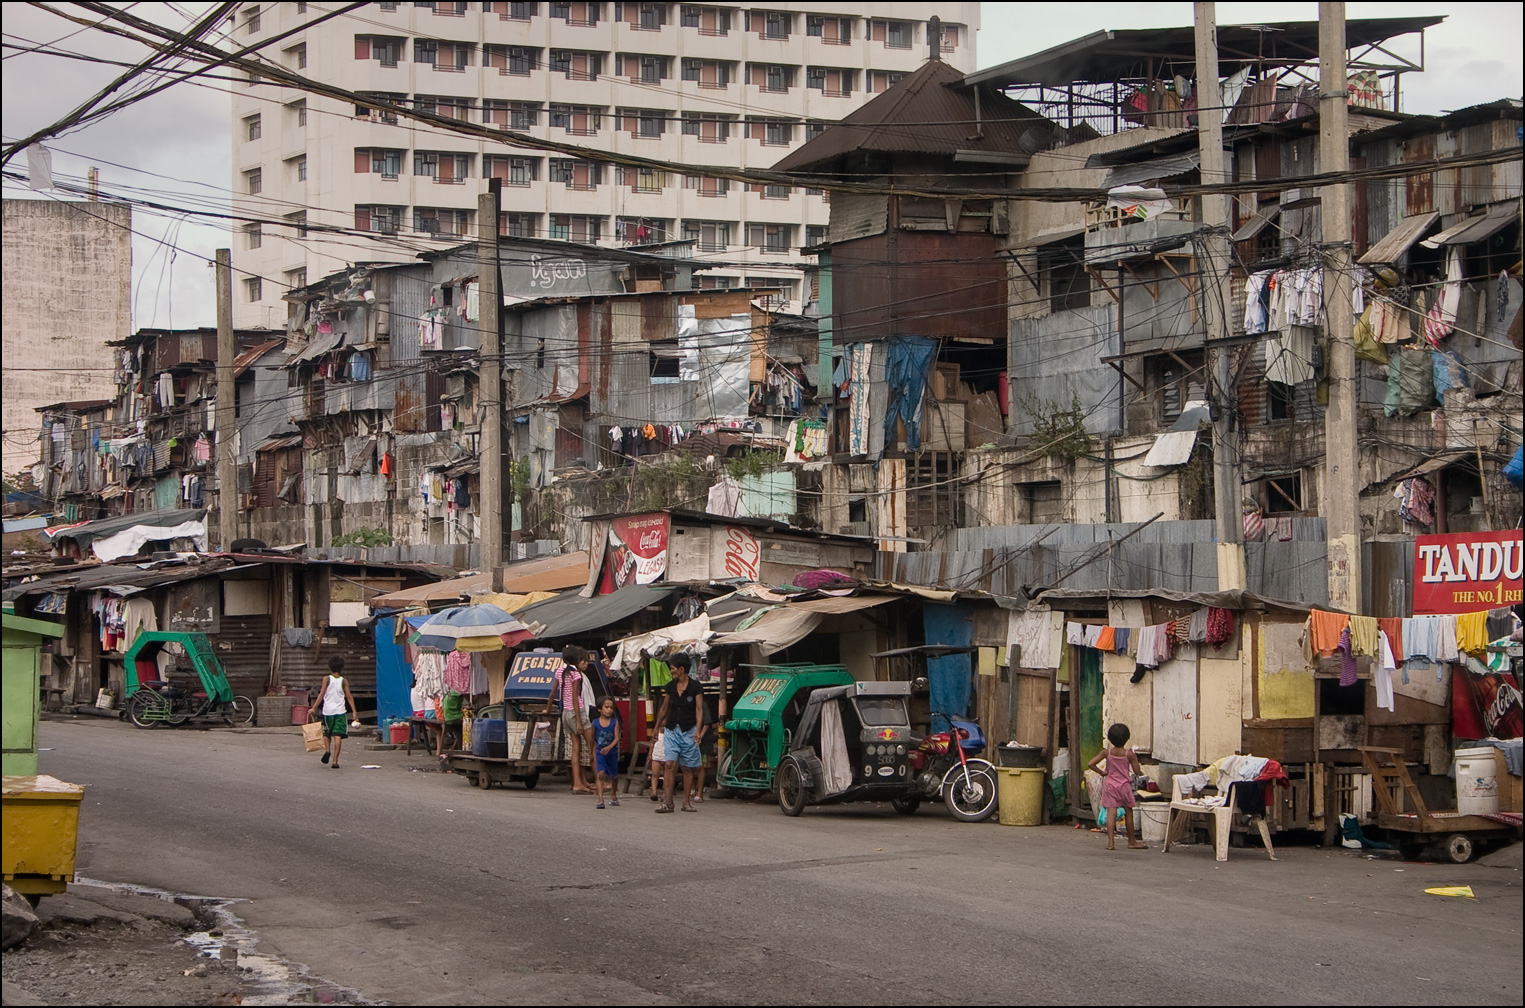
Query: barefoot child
x=1117, y=792
x=606, y=748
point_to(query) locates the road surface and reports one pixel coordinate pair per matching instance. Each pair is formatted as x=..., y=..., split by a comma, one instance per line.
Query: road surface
x=415, y=888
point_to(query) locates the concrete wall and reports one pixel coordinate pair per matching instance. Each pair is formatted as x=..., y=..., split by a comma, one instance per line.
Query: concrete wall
x=68, y=285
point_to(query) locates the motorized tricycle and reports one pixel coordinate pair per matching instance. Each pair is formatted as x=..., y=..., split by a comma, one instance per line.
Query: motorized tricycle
x=852, y=743
x=153, y=701
x=764, y=721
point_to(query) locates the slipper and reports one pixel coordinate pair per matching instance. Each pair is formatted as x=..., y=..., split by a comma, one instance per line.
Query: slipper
x=664, y=808
x=582, y=790
x=599, y=805
x=333, y=766
x=325, y=758
x=688, y=808
x=615, y=803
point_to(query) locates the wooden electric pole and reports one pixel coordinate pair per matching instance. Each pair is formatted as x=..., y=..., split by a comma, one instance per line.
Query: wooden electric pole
x=1341, y=488
x=1217, y=297
x=490, y=386
x=227, y=392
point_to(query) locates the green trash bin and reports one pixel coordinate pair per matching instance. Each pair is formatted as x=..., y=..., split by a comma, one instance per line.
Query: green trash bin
x=1020, y=790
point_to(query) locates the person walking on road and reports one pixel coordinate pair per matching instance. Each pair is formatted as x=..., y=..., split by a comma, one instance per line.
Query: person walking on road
x=606, y=752
x=335, y=707
x=682, y=714
x=567, y=690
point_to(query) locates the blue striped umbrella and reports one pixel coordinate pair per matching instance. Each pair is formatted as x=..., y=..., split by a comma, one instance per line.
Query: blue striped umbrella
x=442, y=630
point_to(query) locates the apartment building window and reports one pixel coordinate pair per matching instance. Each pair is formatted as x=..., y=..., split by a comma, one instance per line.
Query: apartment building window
x=441, y=221
x=578, y=120
x=642, y=16
x=253, y=288
x=814, y=129
x=252, y=127
x=815, y=234
x=378, y=160
x=254, y=181
x=830, y=30
x=378, y=114
x=770, y=237
x=948, y=42
x=451, y=108
x=709, y=127
x=298, y=112
x=298, y=167
x=251, y=27
x=457, y=8
x=772, y=132
x=581, y=15
x=254, y=235
x=518, y=225
x=378, y=219
x=648, y=123
x=576, y=227
x=1178, y=379
x=778, y=291
x=512, y=11
x=707, y=73
x=880, y=81
x=387, y=6
x=523, y=115
x=641, y=230
x=772, y=191
x=771, y=24
x=442, y=166
x=707, y=186
x=833, y=81
x=577, y=65
x=1043, y=502
x=386, y=49
x=711, y=281
x=641, y=69
x=711, y=236
x=298, y=223
x=295, y=279
x=709, y=20
x=296, y=56
x=1282, y=494
x=645, y=180
x=515, y=171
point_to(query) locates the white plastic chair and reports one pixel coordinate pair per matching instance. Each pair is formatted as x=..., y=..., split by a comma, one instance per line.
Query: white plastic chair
x=1222, y=819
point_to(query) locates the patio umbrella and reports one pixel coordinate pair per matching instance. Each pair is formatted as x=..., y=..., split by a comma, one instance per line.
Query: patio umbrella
x=482, y=627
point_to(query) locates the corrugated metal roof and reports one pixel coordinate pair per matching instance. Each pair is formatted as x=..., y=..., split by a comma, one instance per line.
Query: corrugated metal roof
x=931, y=111
x=320, y=345
x=1400, y=239
x=1476, y=228
x=1146, y=171
x=246, y=360
x=1257, y=223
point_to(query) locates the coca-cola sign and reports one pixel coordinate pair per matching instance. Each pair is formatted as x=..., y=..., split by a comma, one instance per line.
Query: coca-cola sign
x=1463, y=572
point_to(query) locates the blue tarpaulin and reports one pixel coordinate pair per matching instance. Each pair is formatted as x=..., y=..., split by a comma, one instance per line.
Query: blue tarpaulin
x=948, y=677
x=905, y=372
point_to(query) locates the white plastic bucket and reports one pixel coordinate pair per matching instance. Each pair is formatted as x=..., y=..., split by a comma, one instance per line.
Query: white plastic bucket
x=1152, y=817
x=105, y=699
x=1477, y=784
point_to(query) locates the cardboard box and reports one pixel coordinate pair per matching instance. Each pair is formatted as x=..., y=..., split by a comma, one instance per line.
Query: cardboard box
x=1510, y=786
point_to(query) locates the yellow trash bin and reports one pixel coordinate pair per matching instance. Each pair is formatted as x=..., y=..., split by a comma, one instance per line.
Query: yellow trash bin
x=1020, y=790
x=40, y=830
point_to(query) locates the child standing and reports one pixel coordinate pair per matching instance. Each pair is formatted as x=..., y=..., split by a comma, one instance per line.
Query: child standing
x=606, y=747
x=1117, y=791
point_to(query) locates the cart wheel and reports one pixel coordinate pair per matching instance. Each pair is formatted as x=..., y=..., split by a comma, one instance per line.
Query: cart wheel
x=484, y=781
x=471, y=778
x=1411, y=849
x=905, y=804
x=1459, y=848
x=531, y=780
x=240, y=711
x=793, y=793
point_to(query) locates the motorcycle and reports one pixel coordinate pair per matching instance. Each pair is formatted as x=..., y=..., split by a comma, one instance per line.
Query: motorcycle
x=954, y=773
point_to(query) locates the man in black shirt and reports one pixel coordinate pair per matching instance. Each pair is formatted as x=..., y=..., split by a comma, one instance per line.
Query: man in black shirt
x=683, y=715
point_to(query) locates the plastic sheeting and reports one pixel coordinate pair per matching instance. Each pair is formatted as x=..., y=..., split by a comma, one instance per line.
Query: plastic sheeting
x=905, y=372
x=834, y=763
x=1410, y=382
x=717, y=354
x=128, y=542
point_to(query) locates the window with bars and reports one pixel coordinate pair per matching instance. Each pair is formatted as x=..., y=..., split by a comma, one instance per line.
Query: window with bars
x=254, y=181
x=254, y=235
x=295, y=278
x=774, y=238
x=578, y=120
x=515, y=61
x=707, y=73
x=709, y=20
x=581, y=15
x=298, y=223
x=253, y=287
x=773, y=78
x=576, y=227
x=298, y=168
x=707, y=186
x=710, y=236
x=641, y=69
x=775, y=24
x=577, y=65
x=832, y=81
x=830, y=30
x=647, y=123
x=381, y=161
x=709, y=127
x=815, y=234
x=519, y=225
x=251, y=27
x=298, y=110
x=515, y=171
x=296, y=56
x=378, y=219
x=252, y=128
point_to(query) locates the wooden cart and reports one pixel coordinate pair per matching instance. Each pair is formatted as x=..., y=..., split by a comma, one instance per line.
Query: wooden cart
x=1457, y=833
x=484, y=771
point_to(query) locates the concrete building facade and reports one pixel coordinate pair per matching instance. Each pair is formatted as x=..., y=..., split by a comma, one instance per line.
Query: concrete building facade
x=68, y=290
x=691, y=84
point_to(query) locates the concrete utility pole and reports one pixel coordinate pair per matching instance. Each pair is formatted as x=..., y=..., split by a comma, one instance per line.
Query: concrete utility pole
x=490, y=385
x=1217, y=297
x=227, y=350
x=1341, y=487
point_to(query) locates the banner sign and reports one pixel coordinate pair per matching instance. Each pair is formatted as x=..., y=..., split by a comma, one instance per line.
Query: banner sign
x=1464, y=572
x=636, y=552
x=531, y=675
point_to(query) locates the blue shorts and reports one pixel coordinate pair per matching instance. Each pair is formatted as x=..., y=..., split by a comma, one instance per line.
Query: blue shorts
x=607, y=763
x=681, y=747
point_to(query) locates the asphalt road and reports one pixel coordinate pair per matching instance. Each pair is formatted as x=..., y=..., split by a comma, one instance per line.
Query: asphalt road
x=416, y=888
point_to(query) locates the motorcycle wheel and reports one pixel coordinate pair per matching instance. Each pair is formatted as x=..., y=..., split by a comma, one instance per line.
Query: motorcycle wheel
x=906, y=804
x=138, y=708
x=793, y=793
x=972, y=800
x=240, y=711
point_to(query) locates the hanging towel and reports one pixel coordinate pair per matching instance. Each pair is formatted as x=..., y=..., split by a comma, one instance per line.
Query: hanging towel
x=1325, y=629
x=1445, y=640
x=1106, y=640
x=1123, y=636
x=1092, y=636
x=1075, y=633
x=1220, y=626
x=1363, y=635
x=1393, y=627
x=1472, y=632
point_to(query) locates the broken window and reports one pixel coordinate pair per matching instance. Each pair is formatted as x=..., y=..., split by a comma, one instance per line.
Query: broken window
x=1043, y=502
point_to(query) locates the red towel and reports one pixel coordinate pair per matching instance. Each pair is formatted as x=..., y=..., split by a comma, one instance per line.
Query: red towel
x=1106, y=640
x=1393, y=627
x=1324, y=630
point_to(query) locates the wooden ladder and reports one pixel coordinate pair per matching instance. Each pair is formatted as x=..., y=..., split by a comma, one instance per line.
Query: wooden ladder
x=1387, y=768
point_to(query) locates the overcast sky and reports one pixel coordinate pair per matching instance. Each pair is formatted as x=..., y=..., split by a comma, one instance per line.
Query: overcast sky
x=175, y=147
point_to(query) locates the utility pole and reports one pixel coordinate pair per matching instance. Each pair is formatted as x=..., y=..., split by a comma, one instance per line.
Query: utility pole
x=490, y=385
x=1217, y=296
x=227, y=350
x=1340, y=490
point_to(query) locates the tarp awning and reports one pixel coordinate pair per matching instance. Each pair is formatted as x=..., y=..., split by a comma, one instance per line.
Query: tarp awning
x=87, y=532
x=571, y=613
x=774, y=630
x=842, y=604
x=1477, y=227
x=1400, y=239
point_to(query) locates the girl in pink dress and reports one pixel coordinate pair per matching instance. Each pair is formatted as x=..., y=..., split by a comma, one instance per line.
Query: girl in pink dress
x=1117, y=791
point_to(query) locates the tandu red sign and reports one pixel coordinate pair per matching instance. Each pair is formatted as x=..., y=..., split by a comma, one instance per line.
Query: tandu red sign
x=1463, y=572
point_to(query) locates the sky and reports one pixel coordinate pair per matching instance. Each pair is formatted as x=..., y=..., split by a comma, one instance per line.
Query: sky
x=176, y=146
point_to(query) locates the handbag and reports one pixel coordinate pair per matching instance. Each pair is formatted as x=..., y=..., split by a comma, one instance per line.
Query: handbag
x=312, y=736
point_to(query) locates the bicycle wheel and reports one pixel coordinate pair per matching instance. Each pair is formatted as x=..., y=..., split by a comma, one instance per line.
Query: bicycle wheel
x=240, y=711
x=146, y=709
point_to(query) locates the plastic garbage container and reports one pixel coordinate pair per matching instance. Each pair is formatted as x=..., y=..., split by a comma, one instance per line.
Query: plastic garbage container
x=1020, y=793
x=41, y=828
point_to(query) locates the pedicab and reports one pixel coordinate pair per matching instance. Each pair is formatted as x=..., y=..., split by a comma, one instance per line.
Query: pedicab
x=152, y=701
x=761, y=726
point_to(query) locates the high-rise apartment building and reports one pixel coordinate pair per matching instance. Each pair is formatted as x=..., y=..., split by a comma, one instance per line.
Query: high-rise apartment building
x=685, y=83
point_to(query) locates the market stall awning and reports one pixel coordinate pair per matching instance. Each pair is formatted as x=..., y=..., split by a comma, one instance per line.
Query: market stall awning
x=842, y=604
x=1400, y=239
x=775, y=629
x=1477, y=227
x=572, y=613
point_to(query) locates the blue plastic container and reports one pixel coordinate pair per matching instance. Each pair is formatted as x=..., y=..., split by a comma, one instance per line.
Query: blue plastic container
x=489, y=737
